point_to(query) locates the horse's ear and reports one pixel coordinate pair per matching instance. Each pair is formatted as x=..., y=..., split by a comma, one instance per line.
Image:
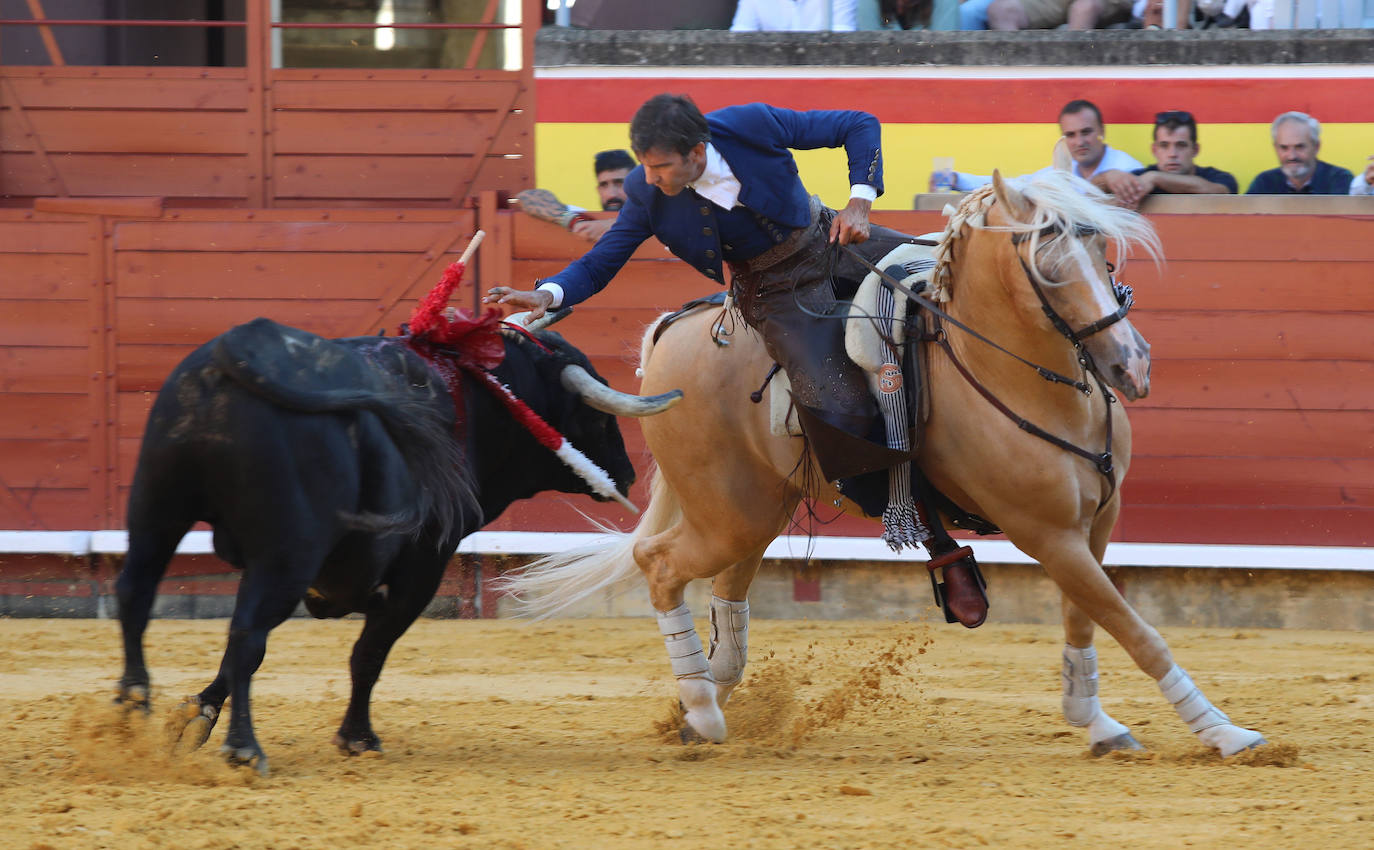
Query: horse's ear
x=1013, y=202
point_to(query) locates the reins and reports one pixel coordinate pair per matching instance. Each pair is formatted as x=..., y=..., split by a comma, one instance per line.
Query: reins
x=1101, y=461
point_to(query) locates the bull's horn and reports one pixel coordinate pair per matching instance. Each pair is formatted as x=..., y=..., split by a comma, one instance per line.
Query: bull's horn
x=597, y=395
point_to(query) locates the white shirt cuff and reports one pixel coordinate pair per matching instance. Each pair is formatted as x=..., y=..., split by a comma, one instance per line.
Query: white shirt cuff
x=553, y=289
x=863, y=190
x=1358, y=186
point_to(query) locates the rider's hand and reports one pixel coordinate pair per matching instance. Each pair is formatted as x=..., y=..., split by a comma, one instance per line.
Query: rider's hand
x=537, y=301
x=851, y=223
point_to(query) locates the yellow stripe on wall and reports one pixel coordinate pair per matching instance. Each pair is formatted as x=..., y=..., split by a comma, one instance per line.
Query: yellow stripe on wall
x=564, y=152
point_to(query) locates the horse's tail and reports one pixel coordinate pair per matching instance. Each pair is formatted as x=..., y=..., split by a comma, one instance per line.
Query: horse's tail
x=556, y=583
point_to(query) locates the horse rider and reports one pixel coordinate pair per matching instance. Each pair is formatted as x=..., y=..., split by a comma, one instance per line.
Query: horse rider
x=722, y=189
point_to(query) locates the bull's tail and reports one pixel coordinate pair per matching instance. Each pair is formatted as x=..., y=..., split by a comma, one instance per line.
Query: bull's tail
x=557, y=583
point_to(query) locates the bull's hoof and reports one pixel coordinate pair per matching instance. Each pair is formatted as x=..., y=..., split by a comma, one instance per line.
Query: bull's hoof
x=358, y=746
x=193, y=735
x=245, y=757
x=191, y=725
x=1124, y=741
x=134, y=698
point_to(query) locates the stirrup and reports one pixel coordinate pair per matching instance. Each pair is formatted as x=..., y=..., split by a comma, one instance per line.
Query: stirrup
x=963, y=556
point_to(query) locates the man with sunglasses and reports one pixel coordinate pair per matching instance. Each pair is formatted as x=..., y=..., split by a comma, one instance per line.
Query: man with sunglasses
x=1175, y=148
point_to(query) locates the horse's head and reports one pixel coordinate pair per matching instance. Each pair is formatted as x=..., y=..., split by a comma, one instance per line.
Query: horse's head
x=1060, y=229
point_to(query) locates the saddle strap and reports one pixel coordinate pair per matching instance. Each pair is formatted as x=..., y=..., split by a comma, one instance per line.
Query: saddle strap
x=715, y=299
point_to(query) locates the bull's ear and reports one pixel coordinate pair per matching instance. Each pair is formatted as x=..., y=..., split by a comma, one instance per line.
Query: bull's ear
x=1013, y=202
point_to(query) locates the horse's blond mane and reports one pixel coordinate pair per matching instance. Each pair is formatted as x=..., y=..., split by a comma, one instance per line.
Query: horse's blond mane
x=1059, y=201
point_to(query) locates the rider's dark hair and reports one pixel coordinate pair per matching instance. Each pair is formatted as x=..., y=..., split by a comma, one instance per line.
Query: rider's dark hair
x=1074, y=107
x=668, y=122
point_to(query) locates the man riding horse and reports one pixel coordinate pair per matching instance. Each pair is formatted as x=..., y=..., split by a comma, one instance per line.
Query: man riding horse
x=722, y=189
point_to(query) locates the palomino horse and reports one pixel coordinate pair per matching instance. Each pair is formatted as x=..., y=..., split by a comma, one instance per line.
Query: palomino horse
x=1012, y=262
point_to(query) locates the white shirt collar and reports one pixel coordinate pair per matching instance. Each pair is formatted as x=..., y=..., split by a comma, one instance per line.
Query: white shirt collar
x=717, y=183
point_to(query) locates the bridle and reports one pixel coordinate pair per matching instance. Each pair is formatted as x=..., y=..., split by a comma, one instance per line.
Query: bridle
x=1125, y=298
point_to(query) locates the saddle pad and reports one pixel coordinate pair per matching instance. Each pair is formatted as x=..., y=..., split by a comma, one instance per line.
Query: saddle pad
x=782, y=416
x=864, y=340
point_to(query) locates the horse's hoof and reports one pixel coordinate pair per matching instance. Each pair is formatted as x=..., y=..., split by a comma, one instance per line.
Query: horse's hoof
x=1124, y=741
x=702, y=718
x=1229, y=739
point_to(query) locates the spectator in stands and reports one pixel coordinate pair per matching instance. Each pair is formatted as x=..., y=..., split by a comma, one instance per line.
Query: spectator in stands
x=1175, y=147
x=795, y=15
x=1080, y=122
x=1363, y=184
x=1297, y=139
x=894, y=14
x=611, y=167
x=1053, y=14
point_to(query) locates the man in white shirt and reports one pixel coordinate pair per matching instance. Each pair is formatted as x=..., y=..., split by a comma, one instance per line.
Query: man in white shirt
x=1084, y=138
x=795, y=16
x=1363, y=184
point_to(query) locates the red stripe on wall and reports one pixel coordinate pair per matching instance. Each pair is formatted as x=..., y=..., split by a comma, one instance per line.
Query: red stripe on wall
x=923, y=101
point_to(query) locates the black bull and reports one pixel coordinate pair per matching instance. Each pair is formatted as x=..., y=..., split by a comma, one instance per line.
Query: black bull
x=340, y=472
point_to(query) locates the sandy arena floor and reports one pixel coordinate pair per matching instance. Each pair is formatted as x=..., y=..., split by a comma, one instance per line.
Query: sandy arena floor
x=503, y=734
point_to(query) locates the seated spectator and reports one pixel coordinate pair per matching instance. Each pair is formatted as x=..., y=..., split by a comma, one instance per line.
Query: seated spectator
x=1052, y=14
x=1297, y=139
x=894, y=14
x=795, y=16
x=973, y=14
x=1080, y=122
x=1363, y=184
x=1175, y=147
x=611, y=167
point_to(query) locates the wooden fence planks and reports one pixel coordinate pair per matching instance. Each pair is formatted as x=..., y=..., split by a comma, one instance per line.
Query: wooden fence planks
x=1260, y=426
x=285, y=275
x=340, y=234
x=47, y=369
x=159, y=131
x=1261, y=385
x=1252, y=335
x=253, y=137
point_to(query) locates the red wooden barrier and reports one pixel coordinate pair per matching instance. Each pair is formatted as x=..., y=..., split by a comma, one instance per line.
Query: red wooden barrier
x=1259, y=428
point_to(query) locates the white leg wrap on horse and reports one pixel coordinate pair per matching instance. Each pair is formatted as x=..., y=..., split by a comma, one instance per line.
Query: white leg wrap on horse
x=729, y=644
x=696, y=689
x=1205, y=720
x=1080, y=702
x=682, y=642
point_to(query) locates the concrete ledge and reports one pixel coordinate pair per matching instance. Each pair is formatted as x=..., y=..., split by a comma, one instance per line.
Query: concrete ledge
x=555, y=46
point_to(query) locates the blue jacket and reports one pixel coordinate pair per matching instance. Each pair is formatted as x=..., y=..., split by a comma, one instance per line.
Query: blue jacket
x=754, y=139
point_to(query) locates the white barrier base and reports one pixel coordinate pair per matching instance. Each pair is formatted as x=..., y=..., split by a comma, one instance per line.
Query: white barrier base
x=1217, y=556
